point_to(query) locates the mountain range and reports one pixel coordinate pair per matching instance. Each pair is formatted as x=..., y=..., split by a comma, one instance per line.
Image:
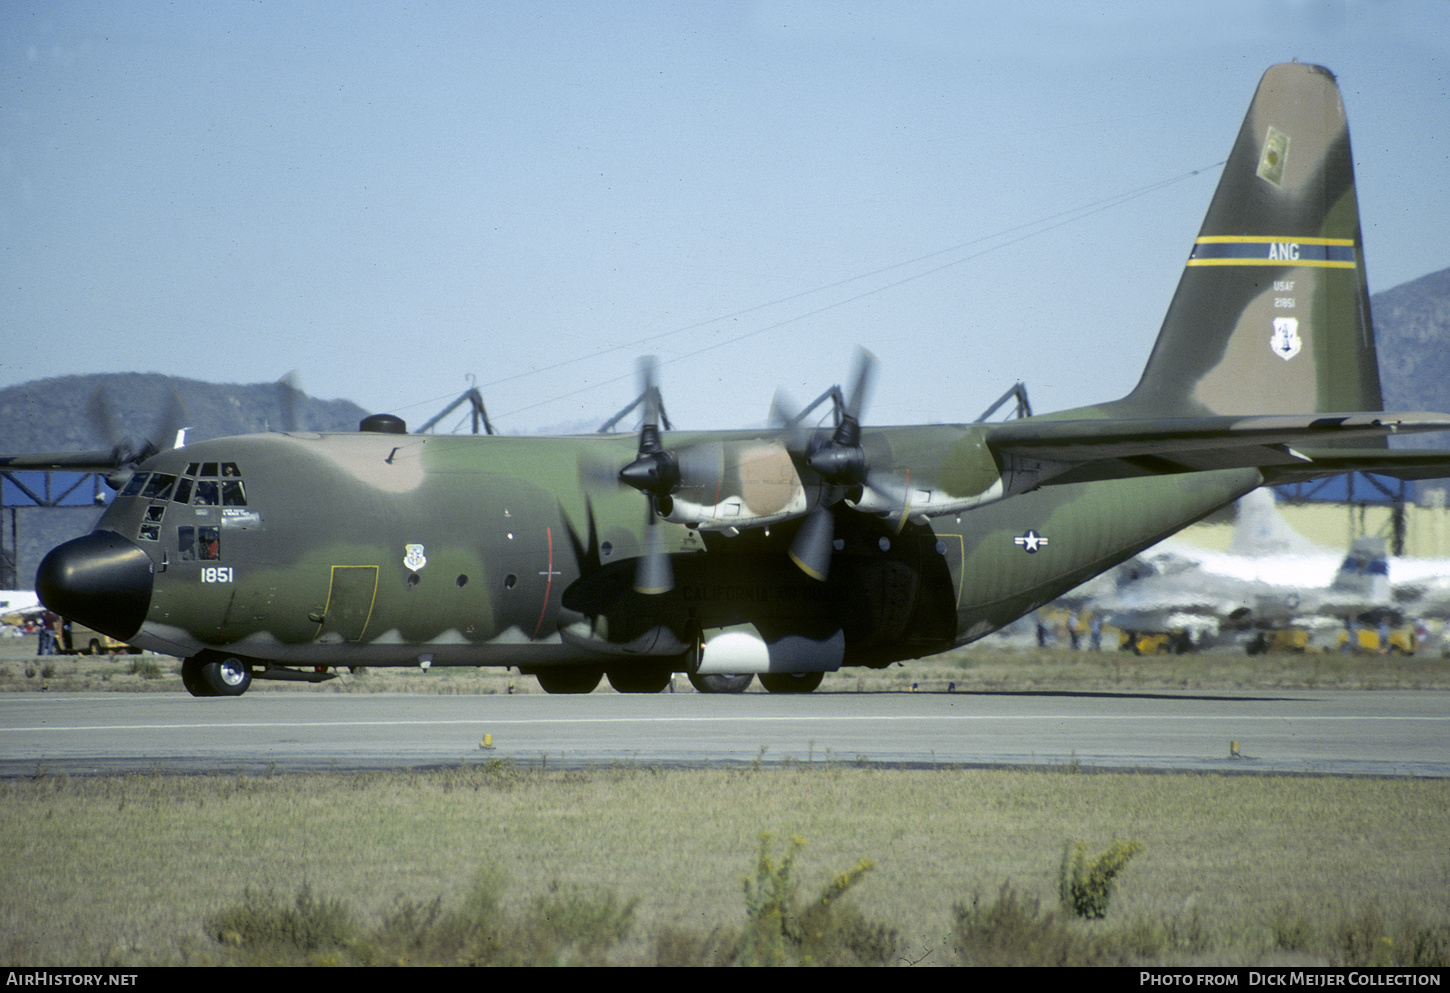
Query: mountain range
x=67, y=413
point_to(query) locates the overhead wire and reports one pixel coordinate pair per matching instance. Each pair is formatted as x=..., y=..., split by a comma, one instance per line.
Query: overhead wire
x=1029, y=229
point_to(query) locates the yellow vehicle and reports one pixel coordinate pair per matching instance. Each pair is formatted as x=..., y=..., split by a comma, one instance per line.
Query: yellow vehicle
x=1402, y=641
x=1280, y=641
x=75, y=638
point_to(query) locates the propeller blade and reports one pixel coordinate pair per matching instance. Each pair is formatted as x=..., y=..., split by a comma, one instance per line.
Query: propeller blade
x=890, y=486
x=127, y=451
x=701, y=464
x=649, y=431
x=597, y=473
x=102, y=417
x=861, y=390
x=784, y=414
x=653, y=573
x=814, y=543
x=170, y=424
x=289, y=401
x=887, y=496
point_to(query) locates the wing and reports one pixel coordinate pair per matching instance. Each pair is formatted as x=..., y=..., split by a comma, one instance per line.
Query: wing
x=97, y=461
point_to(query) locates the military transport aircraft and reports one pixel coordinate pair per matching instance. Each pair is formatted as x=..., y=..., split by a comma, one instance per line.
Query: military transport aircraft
x=785, y=553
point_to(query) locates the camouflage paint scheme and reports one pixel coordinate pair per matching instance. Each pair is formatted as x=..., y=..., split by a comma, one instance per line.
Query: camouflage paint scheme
x=380, y=548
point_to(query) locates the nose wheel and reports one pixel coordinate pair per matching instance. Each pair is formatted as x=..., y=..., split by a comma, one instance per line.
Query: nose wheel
x=216, y=674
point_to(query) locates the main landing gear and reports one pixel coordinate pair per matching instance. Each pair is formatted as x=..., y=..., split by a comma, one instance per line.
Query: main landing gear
x=791, y=682
x=720, y=682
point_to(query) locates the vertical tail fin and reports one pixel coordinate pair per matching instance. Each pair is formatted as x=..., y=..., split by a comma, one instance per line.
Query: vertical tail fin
x=1272, y=315
x=1260, y=531
x=1366, y=571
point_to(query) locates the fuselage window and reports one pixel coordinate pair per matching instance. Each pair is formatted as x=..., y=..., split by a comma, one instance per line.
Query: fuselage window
x=204, y=543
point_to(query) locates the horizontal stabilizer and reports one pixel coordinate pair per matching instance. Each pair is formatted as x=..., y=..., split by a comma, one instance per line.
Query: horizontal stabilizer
x=1408, y=464
x=1083, y=450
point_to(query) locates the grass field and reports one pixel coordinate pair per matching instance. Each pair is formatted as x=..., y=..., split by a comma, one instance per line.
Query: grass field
x=1234, y=870
x=454, y=865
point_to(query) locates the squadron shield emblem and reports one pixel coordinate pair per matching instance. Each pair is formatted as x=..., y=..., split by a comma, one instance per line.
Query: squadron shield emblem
x=1285, y=340
x=414, y=559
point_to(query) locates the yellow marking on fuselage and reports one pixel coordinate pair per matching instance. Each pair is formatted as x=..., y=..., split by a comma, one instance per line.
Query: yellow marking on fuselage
x=962, y=570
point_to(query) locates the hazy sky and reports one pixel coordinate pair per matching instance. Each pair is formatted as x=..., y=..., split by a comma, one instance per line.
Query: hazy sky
x=390, y=198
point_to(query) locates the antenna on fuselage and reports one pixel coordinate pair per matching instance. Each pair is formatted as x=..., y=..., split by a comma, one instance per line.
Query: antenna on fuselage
x=475, y=400
x=1024, y=406
x=651, y=395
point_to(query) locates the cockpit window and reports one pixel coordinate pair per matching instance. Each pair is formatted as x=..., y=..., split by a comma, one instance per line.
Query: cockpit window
x=212, y=484
x=158, y=487
x=133, y=488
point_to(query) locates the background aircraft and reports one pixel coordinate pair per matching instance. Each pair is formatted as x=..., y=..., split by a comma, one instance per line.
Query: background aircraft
x=16, y=606
x=1270, y=578
x=784, y=553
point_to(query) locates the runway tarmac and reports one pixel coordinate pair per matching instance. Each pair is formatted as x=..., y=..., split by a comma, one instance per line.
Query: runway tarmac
x=1390, y=733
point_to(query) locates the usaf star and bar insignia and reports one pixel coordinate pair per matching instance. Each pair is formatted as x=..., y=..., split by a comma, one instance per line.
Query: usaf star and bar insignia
x=1030, y=542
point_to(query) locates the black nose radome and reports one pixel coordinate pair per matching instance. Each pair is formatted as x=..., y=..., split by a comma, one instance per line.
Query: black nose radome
x=101, y=580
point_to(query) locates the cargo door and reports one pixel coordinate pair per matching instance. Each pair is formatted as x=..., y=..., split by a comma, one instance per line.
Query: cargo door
x=349, y=603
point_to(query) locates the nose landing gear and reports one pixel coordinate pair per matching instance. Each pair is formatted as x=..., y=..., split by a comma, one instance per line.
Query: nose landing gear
x=216, y=674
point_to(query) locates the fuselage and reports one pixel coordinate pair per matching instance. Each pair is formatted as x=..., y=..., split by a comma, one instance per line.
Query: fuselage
x=394, y=549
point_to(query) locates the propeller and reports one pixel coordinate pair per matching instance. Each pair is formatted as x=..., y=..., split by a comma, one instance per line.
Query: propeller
x=655, y=472
x=839, y=460
x=127, y=452
x=289, y=401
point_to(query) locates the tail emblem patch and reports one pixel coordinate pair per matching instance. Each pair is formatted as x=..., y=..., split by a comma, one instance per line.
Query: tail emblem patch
x=1271, y=162
x=1285, y=340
